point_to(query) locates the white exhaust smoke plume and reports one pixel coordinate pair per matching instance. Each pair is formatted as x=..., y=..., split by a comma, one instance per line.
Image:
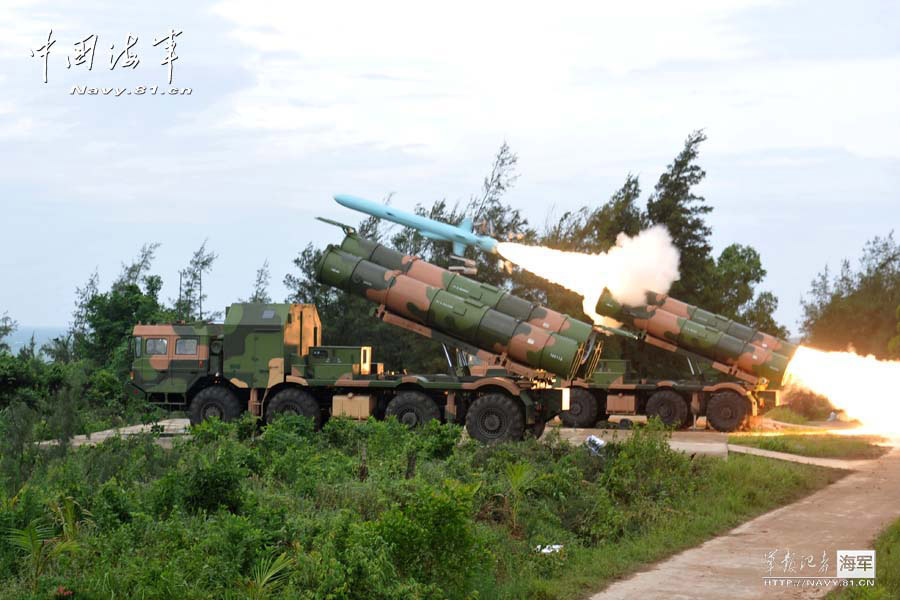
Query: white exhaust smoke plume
x=647, y=261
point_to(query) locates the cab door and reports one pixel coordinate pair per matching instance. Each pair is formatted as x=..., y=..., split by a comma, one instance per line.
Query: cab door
x=152, y=374
x=189, y=356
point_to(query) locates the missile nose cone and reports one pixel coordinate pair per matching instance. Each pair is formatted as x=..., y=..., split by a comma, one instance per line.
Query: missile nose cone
x=346, y=200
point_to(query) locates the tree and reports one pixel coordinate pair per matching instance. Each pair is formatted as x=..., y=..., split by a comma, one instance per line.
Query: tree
x=856, y=307
x=596, y=230
x=103, y=320
x=189, y=306
x=7, y=326
x=261, y=285
x=675, y=204
x=60, y=349
x=736, y=273
x=894, y=344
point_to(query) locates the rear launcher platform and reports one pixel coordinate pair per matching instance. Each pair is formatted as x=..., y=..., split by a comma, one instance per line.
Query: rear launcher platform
x=756, y=360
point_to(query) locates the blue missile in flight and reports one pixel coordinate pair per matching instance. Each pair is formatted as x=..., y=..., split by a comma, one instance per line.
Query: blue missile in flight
x=460, y=236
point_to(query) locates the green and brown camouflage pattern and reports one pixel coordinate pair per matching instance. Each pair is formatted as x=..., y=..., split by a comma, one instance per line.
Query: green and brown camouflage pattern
x=469, y=289
x=701, y=337
x=462, y=318
x=723, y=324
x=262, y=349
x=175, y=370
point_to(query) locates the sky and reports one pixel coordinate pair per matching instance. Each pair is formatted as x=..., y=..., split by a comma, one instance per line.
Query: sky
x=293, y=102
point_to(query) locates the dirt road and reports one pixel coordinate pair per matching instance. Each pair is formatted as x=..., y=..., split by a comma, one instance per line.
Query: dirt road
x=846, y=515
x=710, y=443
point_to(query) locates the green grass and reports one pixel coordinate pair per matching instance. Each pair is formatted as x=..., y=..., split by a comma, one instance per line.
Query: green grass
x=818, y=445
x=786, y=415
x=207, y=517
x=734, y=491
x=887, y=567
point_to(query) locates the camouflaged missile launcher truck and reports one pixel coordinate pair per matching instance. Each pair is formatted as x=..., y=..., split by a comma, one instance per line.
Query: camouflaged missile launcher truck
x=268, y=359
x=597, y=389
x=757, y=360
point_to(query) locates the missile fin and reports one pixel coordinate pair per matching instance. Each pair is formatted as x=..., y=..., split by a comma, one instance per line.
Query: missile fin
x=347, y=228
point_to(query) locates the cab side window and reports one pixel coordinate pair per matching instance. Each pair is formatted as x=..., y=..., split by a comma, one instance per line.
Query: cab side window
x=137, y=346
x=186, y=346
x=157, y=346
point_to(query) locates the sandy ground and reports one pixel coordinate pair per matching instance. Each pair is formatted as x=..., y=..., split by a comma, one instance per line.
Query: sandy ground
x=170, y=428
x=846, y=515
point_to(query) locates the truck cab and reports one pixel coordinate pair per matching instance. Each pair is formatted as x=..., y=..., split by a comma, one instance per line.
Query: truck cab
x=169, y=360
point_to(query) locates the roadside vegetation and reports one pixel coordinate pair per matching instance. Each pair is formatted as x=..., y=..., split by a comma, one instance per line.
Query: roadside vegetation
x=288, y=513
x=887, y=570
x=786, y=414
x=819, y=445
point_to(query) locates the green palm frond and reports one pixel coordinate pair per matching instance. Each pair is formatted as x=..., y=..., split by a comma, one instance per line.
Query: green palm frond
x=269, y=574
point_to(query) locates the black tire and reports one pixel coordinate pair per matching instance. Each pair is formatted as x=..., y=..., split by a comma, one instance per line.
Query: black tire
x=670, y=407
x=495, y=418
x=583, y=409
x=727, y=411
x=412, y=408
x=293, y=401
x=215, y=401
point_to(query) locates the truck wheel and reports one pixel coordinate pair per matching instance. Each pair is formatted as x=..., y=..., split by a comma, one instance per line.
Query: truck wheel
x=669, y=406
x=412, y=408
x=495, y=418
x=583, y=409
x=726, y=411
x=215, y=401
x=291, y=401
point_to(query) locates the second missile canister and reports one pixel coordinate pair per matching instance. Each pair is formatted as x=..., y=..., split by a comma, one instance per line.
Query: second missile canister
x=698, y=337
x=723, y=324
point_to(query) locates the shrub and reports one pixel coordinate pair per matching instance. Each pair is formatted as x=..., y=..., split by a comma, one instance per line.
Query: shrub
x=810, y=405
x=211, y=430
x=105, y=389
x=212, y=478
x=432, y=537
x=437, y=440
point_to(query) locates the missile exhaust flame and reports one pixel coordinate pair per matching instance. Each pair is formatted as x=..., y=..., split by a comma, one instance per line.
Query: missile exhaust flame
x=864, y=387
x=647, y=261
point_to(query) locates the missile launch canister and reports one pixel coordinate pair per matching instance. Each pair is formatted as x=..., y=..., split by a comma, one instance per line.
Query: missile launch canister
x=748, y=351
x=447, y=313
x=464, y=287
